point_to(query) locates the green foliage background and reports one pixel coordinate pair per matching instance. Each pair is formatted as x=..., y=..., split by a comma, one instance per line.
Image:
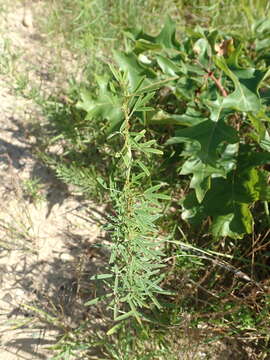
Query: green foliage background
x=171, y=130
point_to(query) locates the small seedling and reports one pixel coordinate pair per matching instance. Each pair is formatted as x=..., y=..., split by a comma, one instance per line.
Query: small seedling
x=32, y=190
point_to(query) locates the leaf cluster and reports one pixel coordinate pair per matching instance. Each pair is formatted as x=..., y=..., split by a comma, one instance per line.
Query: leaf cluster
x=203, y=101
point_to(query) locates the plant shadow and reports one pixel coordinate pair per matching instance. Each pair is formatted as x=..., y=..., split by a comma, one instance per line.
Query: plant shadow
x=49, y=252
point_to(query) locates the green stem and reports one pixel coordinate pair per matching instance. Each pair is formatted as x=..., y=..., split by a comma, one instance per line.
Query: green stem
x=266, y=209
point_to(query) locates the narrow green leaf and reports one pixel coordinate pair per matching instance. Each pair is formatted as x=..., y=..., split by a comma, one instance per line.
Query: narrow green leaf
x=143, y=167
x=145, y=108
x=114, y=329
x=158, y=196
x=152, y=151
x=101, y=276
x=153, y=189
x=97, y=299
x=125, y=316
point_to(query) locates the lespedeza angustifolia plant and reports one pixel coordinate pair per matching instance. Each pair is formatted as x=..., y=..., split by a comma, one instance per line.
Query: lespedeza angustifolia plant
x=136, y=245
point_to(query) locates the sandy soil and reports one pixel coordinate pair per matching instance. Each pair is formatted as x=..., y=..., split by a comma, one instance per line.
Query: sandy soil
x=40, y=241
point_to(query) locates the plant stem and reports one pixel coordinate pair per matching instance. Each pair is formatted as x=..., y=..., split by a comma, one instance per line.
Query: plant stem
x=218, y=84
